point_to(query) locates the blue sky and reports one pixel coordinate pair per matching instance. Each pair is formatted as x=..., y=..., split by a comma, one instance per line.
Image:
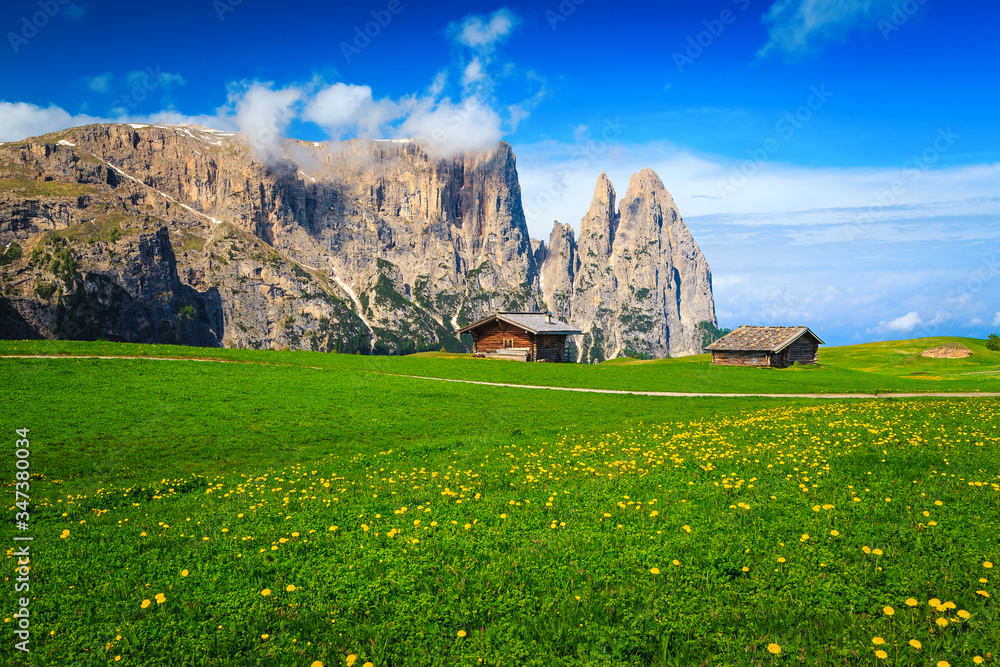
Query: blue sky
x=837, y=160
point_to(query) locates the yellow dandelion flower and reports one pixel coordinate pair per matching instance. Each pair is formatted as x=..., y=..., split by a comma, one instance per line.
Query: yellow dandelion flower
x=290, y=588
x=781, y=559
x=461, y=633
x=878, y=641
x=64, y=534
x=368, y=664
x=941, y=621
x=964, y=615
x=654, y=570
x=881, y=655
x=145, y=603
x=943, y=663
x=987, y=565
x=160, y=598
x=805, y=536
x=888, y=611
x=911, y=602
x=950, y=605
x=687, y=529
x=184, y=573
x=983, y=593
x=351, y=659
x=316, y=663
x=915, y=644
x=264, y=636
x=978, y=660
x=773, y=649
x=877, y=552
x=866, y=549
x=675, y=562
x=746, y=569
x=934, y=602
x=835, y=533
x=503, y=516
x=266, y=592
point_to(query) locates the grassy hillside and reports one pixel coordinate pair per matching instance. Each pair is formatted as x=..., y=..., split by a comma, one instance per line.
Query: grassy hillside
x=311, y=510
x=873, y=367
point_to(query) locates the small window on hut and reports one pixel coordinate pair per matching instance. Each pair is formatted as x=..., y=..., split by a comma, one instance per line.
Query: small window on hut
x=508, y=342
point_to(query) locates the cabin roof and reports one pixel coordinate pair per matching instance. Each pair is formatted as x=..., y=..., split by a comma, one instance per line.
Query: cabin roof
x=761, y=339
x=533, y=322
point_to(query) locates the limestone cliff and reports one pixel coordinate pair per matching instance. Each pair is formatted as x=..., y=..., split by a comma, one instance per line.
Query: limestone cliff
x=159, y=233
x=641, y=284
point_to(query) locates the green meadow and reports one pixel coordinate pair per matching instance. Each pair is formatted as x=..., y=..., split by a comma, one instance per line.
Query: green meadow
x=294, y=508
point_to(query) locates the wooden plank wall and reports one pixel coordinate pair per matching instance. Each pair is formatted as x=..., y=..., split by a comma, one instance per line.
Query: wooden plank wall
x=734, y=358
x=489, y=337
x=804, y=351
x=549, y=348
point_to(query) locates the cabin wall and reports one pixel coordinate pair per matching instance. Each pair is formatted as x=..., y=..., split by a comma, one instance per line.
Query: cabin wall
x=803, y=351
x=549, y=348
x=490, y=337
x=737, y=358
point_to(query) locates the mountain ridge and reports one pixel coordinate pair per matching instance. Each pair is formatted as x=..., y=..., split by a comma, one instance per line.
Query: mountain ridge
x=354, y=246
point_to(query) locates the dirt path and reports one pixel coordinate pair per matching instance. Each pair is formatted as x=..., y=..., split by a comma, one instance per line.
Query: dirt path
x=676, y=394
x=691, y=394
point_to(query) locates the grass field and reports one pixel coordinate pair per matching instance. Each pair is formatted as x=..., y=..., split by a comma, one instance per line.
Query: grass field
x=309, y=508
x=894, y=366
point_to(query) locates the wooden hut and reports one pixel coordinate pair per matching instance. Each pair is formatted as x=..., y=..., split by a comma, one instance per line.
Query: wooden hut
x=771, y=347
x=520, y=337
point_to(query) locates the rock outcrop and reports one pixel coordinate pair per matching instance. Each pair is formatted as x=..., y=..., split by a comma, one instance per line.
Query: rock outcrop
x=153, y=233
x=641, y=284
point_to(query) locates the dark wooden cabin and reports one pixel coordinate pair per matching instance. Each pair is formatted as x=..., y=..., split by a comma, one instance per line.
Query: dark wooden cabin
x=521, y=337
x=771, y=347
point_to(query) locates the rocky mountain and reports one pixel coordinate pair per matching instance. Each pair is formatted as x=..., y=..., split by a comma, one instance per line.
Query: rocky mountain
x=635, y=282
x=158, y=233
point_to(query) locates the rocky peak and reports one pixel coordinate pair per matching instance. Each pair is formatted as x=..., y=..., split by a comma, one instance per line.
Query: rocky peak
x=642, y=284
x=600, y=224
x=558, y=269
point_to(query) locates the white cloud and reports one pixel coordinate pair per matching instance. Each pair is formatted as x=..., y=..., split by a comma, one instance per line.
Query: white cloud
x=473, y=72
x=484, y=33
x=338, y=108
x=824, y=203
x=20, y=119
x=517, y=114
x=902, y=324
x=100, y=83
x=796, y=25
x=448, y=129
x=263, y=114
x=996, y=320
